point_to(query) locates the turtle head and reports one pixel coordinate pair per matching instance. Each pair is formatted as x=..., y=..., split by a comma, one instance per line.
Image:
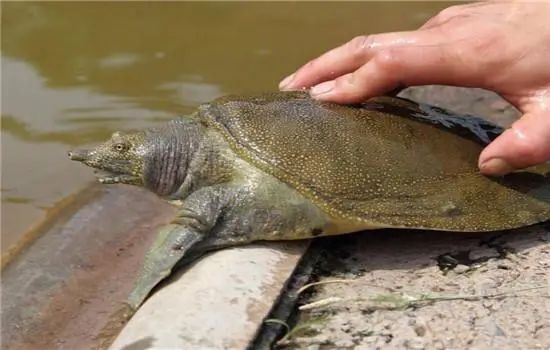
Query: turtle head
x=156, y=158
x=119, y=160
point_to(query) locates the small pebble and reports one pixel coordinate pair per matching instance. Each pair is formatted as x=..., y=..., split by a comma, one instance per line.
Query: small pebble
x=460, y=269
x=420, y=330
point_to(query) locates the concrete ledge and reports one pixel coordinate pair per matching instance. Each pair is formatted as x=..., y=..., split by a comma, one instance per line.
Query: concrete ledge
x=218, y=303
x=61, y=290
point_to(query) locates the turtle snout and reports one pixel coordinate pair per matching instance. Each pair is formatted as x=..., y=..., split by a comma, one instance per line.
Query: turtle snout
x=79, y=155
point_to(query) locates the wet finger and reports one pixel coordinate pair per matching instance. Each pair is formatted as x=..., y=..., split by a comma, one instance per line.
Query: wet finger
x=525, y=144
x=399, y=66
x=350, y=56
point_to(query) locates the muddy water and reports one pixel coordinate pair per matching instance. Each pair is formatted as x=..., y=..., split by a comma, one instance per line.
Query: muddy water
x=72, y=73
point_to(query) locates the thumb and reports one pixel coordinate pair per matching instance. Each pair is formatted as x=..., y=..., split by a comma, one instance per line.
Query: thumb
x=525, y=144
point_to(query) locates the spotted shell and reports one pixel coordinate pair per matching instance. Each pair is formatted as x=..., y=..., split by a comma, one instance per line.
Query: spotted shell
x=388, y=162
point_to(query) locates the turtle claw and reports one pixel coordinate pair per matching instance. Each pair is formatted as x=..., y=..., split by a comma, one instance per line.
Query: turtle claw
x=143, y=288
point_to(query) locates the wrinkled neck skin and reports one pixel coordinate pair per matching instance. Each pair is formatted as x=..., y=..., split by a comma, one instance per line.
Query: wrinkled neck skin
x=172, y=149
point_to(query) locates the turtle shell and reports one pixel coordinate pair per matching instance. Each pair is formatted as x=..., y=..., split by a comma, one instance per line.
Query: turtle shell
x=388, y=162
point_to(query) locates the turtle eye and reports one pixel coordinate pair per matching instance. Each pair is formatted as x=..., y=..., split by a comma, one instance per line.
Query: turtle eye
x=120, y=147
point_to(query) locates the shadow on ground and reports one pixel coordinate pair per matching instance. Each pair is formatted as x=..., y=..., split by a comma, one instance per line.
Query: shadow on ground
x=409, y=249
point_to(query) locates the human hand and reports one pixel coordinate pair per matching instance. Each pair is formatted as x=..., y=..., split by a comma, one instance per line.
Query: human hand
x=499, y=46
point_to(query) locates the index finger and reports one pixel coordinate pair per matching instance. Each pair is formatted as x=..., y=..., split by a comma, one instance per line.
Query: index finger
x=352, y=55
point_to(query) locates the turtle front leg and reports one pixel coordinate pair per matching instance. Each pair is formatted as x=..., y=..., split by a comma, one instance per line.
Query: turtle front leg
x=170, y=246
x=198, y=215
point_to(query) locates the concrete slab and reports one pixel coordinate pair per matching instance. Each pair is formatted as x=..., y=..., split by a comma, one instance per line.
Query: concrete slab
x=66, y=289
x=61, y=291
x=218, y=303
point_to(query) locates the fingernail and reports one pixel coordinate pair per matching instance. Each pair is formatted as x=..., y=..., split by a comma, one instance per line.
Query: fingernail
x=322, y=88
x=496, y=167
x=286, y=81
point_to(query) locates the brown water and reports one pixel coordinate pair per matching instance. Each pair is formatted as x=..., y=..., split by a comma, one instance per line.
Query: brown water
x=72, y=73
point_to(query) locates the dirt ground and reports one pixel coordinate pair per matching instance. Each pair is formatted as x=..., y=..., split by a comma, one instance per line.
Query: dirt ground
x=431, y=290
